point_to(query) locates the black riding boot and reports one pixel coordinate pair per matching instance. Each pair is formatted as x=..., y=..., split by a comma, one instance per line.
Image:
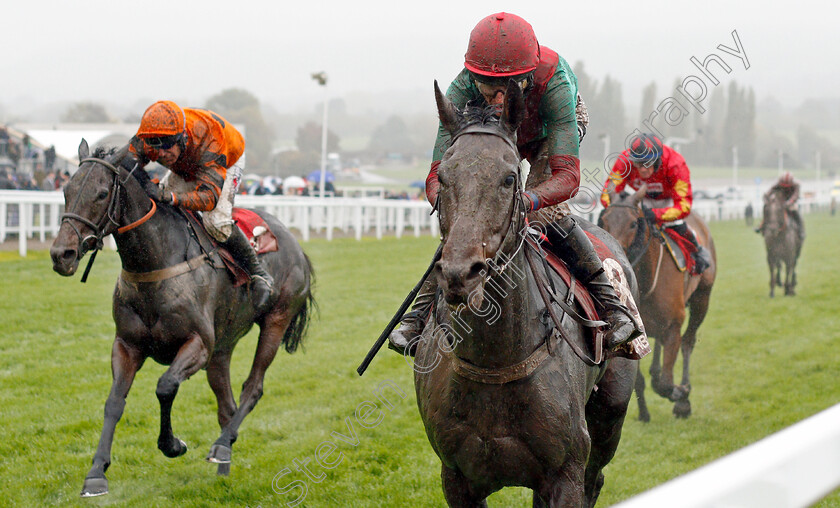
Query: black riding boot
x=415, y=320
x=569, y=241
x=702, y=257
x=261, y=282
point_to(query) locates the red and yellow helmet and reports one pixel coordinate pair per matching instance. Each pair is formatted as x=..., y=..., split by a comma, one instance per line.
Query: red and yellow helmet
x=502, y=44
x=162, y=119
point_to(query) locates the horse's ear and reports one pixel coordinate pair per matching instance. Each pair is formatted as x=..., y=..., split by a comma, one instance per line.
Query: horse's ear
x=639, y=194
x=446, y=111
x=84, y=150
x=514, y=107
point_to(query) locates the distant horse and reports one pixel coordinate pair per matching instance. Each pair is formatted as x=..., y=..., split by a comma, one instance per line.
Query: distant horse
x=503, y=400
x=173, y=304
x=783, y=240
x=665, y=292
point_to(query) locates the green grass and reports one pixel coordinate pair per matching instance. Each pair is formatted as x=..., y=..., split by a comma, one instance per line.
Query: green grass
x=760, y=365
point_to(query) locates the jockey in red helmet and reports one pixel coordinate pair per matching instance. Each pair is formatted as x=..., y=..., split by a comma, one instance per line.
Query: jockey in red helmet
x=200, y=149
x=787, y=188
x=668, y=198
x=503, y=47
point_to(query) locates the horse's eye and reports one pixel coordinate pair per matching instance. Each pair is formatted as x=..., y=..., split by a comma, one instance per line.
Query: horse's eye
x=102, y=195
x=632, y=225
x=509, y=180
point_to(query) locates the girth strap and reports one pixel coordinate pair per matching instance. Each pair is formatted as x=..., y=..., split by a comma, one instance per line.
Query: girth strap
x=166, y=273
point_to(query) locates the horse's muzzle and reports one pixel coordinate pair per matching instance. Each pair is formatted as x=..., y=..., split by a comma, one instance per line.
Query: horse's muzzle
x=459, y=281
x=65, y=260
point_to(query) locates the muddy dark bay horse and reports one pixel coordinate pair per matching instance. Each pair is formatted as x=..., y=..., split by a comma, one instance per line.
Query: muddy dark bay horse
x=783, y=240
x=173, y=306
x=665, y=292
x=504, y=401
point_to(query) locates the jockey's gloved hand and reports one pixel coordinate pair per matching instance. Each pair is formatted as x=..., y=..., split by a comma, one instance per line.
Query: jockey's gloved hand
x=649, y=215
x=530, y=200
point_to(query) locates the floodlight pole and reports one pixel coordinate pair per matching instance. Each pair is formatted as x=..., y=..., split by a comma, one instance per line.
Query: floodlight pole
x=321, y=78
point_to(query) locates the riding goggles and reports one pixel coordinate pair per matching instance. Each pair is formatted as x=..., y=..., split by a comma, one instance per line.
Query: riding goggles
x=165, y=142
x=488, y=85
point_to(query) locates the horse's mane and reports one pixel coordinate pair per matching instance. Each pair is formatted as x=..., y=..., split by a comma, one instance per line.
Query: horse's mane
x=101, y=152
x=479, y=113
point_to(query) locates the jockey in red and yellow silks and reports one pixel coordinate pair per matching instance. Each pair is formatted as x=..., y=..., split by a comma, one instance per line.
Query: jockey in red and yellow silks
x=668, y=197
x=200, y=148
x=503, y=47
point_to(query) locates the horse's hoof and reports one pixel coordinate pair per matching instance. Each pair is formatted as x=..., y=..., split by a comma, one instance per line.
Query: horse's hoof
x=219, y=454
x=644, y=416
x=174, y=452
x=682, y=409
x=95, y=487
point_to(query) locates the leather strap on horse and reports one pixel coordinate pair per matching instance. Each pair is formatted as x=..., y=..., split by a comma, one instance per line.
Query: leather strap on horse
x=529, y=253
x=166, y=273
x=504, y=375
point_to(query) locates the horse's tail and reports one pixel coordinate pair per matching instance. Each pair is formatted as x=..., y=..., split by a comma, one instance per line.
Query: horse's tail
x=300, y=322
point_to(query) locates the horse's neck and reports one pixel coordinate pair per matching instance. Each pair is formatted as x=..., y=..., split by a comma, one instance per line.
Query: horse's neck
x=499, y=332
x=156, y=243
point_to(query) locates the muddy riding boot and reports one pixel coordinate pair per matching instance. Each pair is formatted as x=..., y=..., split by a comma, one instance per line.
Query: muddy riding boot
x=261, y=282
x=404, y=339
x=570, y=242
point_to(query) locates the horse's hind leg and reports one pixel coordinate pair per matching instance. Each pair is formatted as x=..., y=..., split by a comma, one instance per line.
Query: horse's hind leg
x=125, y=362
x=191, y=357
x=218, y=376
x=271, y=337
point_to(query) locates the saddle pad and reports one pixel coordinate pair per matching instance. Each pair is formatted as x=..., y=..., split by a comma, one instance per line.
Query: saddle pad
x=680, y=249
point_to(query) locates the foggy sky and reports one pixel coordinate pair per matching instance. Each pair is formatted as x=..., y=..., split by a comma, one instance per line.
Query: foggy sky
x=139, y=52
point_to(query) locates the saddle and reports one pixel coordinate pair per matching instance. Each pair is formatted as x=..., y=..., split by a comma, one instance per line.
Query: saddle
x=592, y=350
x=252, y=225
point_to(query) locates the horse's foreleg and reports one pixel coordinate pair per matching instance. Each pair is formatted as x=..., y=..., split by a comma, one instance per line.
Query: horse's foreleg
x=644, y=414
x=664, y=385
x=191, y=357
x=790, y=278
x=271, y=337
x=125, y=362
x=458, y=490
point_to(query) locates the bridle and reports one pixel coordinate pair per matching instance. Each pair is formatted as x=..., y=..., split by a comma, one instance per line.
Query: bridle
x=518, y=209
x=641, y=242
x=110, y=220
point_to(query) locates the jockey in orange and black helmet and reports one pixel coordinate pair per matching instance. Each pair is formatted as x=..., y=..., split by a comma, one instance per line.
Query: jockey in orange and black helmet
x=200, y=148
x=503, y=47
x=668, y=198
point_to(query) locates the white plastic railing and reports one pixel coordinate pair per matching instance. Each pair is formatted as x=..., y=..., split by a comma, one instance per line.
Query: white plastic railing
x=30, y=213
x=793, y=468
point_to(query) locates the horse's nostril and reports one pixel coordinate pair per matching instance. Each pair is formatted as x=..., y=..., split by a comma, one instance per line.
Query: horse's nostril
x=477, y=269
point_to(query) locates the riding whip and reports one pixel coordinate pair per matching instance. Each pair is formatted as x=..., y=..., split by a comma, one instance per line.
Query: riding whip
x=399, y=315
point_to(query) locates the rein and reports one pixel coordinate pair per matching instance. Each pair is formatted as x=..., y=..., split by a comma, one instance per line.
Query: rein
x=108, y=220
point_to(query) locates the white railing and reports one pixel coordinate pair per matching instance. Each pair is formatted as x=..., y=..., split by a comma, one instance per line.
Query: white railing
x=30, y=213
x=793, y=468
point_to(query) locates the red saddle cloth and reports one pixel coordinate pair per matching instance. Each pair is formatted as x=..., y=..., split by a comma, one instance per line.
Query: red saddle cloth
x=685, y=246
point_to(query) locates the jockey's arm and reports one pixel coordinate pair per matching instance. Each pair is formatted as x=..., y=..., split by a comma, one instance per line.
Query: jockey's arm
x=557, y=110
x=208, y=187
x=618, y=177
x=680, y=191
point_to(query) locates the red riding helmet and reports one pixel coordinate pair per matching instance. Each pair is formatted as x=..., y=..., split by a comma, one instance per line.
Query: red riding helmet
x=502, y=44
x=161, y=119
x=645, y=149
x=786, y=179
